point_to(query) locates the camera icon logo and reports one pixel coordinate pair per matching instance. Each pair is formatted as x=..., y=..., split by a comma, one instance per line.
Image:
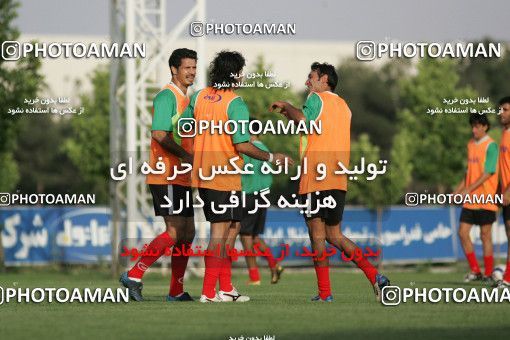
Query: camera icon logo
x=196, y=29
x=187, y=127
x=5, y=199
x=391, y=296
x=365, y=50
x=11, y=50
x=411, y=199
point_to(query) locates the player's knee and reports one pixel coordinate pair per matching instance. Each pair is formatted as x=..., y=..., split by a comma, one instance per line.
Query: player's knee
x=463, y=234
x=318, y=235
x=332, y=239
x=333, y=236
x=318, y=241
x=486, y=235
x=217, y=241
x=172, y=233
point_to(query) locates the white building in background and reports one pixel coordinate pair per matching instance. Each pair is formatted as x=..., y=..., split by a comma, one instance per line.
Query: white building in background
x=290, y=60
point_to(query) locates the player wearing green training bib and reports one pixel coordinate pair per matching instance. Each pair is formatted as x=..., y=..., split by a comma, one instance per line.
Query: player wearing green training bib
x=252, y=224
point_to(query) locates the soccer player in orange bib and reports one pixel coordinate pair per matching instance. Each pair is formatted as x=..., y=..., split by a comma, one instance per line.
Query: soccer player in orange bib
x=329, y=147
x=481, y=181
x=167, y=146
x=215, y=105
x=504, y=168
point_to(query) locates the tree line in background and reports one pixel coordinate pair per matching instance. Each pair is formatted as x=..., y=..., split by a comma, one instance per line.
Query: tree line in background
x=390, y=121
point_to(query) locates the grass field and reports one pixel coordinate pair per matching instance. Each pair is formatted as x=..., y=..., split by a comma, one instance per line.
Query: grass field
x=281, y=310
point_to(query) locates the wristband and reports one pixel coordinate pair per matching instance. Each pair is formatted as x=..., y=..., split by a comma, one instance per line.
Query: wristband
x=271, y=158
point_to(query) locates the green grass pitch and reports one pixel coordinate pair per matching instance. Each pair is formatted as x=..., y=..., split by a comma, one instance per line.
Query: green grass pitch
x=283, y=310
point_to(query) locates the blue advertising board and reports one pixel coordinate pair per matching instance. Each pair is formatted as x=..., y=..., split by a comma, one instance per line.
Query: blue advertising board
x=82, y=235
x=46, y=235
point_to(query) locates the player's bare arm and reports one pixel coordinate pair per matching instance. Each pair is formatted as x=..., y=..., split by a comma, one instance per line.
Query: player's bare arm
x=166, y=141
x=460, y=187
x=467, y=190
x=288, y=110
x=251, y=150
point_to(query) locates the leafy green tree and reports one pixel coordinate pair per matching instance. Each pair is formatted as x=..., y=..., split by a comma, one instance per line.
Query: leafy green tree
x=386, y=188
x=18, y=80
x=258, y=100
x=88, y=147
x=400, y=166
x=372, y=95
x=362, y=191
x=438, y=145
x=488, y=76
x=9, y=171
x=42, y=161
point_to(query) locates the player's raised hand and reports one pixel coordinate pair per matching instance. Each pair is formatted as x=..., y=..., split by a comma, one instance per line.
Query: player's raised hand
x=278, y=107
x=279, y=159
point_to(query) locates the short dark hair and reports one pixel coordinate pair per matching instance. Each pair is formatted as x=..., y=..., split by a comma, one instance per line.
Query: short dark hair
x=504, y=100
x=326, y=69
x=476, y=118
x=179, y=54
x=223, y=65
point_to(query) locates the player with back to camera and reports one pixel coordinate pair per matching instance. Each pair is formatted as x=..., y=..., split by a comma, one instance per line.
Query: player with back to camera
x=217, y=105
x=329, y=147
x=252, y=224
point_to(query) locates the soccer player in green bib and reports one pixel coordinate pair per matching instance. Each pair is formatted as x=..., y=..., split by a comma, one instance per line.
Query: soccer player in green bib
x=254, y=217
